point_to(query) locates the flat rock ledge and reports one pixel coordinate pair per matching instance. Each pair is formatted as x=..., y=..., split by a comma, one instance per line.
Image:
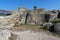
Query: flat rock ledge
x=26, y=35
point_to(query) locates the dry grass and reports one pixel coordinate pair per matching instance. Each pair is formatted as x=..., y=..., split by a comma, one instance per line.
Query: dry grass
x=27, y=27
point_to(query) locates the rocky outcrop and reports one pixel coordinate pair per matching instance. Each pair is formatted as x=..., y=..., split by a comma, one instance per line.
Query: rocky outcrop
x=38, y=18
x=22, y=13
x=22, y=16
x=9, y=21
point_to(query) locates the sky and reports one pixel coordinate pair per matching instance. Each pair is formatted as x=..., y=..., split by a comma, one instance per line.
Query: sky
x=15, y=4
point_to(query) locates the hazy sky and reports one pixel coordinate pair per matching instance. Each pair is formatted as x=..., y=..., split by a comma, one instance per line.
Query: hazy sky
x=14, y=4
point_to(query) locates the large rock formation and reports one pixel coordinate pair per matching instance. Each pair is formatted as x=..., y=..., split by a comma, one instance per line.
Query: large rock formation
x=40, y=17
x=23, y=16
x=9, y=21
x=35, y=16
x=22, y=12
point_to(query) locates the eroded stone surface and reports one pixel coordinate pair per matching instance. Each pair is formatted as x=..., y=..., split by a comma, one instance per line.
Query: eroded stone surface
x=9, y=21
x=30, y=35
x=4, y=34
x=57, y=28
x=26, y=35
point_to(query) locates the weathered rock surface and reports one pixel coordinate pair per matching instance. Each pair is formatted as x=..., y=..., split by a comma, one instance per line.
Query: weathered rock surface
x=30, y=35
x=22, y=13
x=9, y=21
x=35, y=18
x=23, y=17
x=57, y=28
x=26, y=35
x=5, y=34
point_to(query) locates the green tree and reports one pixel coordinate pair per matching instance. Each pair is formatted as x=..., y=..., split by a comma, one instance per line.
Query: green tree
x=35, y=7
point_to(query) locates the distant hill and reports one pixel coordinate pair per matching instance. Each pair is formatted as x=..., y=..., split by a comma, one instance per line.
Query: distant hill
x=4, y=12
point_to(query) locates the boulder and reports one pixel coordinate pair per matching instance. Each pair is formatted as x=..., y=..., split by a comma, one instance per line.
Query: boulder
x=37, y=18
x=53, y=16
x=4, y=34
x=47, y=25
x=58, y=16
x=34, y=18
x=57, y=28
x=22, y=12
